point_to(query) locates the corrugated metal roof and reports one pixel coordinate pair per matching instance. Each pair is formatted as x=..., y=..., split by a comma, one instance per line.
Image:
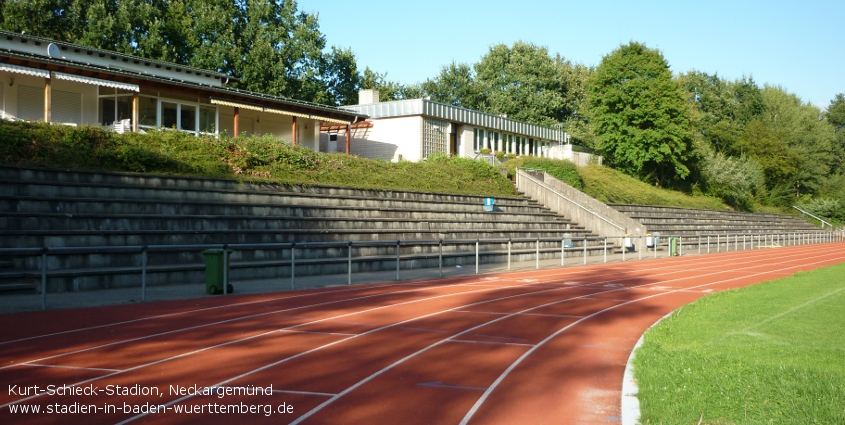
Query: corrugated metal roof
x=456, y=114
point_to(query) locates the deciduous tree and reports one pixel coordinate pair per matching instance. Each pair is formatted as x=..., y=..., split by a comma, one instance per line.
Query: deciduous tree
x=640, y=115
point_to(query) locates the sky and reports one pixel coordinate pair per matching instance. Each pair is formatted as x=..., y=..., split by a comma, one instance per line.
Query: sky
x=796, y=45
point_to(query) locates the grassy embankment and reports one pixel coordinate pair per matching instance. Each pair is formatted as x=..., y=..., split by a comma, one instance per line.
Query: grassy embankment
x=769, y=353
x=614, y=187
x=268, y=159
x=245, y=158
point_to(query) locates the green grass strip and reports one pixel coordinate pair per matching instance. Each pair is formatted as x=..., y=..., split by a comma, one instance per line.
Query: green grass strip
x=772, y=353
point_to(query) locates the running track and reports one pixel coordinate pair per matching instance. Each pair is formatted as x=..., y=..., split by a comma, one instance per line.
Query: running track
x=531, y=347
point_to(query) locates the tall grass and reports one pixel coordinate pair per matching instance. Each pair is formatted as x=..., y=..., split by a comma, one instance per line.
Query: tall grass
x=615, y=187
x=769, y=353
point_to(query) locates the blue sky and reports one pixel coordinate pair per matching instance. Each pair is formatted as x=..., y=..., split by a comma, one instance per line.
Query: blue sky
x=797, y=45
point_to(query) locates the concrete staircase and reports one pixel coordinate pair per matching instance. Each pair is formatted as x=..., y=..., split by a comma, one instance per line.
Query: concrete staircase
x=53, y=208
x=672, y=221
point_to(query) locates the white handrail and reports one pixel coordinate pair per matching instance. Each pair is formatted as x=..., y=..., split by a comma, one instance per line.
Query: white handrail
x=822, y=221
x=543, y=185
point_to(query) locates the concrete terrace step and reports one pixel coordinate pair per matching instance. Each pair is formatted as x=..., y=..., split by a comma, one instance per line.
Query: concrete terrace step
x=461, y=204
x=58, y=238
x=56, y=208
x=80, y=184
x=690, y=222
x=195, y=208
x=188, y=223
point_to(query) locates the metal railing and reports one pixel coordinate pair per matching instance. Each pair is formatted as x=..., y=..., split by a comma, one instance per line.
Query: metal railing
x=568, y=199
x=550, y=250
x=817, y=218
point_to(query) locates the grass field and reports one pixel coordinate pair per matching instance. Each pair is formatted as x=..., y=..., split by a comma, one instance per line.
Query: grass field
x=772, y=353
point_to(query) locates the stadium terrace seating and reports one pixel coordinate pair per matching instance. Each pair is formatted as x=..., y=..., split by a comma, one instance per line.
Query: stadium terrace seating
x=55, y=208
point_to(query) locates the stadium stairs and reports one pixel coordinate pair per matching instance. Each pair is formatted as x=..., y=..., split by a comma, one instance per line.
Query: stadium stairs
x=692, y=222
x=56, y=208
x=641, y=220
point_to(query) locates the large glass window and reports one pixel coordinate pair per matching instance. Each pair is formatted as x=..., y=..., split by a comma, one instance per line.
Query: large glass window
x=207, y=119
x=148, y=111
x=188, y=115
x=170, y=115
x=115, y=105
x=177, y=115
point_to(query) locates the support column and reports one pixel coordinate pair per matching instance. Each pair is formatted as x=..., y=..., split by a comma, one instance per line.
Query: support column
x=348, y=139
x=135, y=111
x=48, y=96
x=293, y=132
x=237, y=121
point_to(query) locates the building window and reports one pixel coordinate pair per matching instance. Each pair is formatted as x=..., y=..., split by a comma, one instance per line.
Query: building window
x=176, y=115
x=115, y=105
x=434, y=137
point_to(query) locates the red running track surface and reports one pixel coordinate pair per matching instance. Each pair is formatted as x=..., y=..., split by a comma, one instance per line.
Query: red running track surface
x=530, y=347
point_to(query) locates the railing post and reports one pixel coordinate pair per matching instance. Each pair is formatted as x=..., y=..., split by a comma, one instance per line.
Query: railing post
x=605, y=249
x=708, y=244
x=476, y=256
x=440, y=256
x=718, y=248
x=624, y=248
x=509, y=253
x=398, y=260
x=562, y=250
x=585, y=249
x=640, y=247
x=144, y=273
x=225, y=269
x=349, y=264
x=44, y=278
x=699, y=244
x=293, y=266
x=537, y=256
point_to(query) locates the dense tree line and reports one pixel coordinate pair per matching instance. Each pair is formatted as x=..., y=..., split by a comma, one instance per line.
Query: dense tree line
x=746, y=144
x=269, y=45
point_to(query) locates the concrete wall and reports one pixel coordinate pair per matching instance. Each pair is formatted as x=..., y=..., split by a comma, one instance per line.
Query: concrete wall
x=388, y=138
x=579, y=158
x=577, y=205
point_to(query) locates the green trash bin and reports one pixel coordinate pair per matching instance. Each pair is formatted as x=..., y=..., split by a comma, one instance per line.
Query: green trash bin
x=214, y=271
x=673, y=247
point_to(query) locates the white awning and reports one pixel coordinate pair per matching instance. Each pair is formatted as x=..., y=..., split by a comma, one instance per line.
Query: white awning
x=96, y=81
x=237, y=105
x=276, y=111
x=309, y=116
x=24, y=70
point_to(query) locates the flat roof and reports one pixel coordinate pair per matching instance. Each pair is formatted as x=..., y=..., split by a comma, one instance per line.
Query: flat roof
x=456, y=114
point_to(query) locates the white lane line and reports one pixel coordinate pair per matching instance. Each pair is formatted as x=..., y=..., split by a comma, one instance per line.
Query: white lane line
x=469, y=341
x=252, y=316
x=507, y=371
x=94, y=369
x=304, y=393
x=267, y=366
x=400, y=361
x=161, y=316
x=557, y=274
x=792, y=310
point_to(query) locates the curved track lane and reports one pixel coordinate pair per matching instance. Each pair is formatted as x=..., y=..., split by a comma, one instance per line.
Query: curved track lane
x=545, y=346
